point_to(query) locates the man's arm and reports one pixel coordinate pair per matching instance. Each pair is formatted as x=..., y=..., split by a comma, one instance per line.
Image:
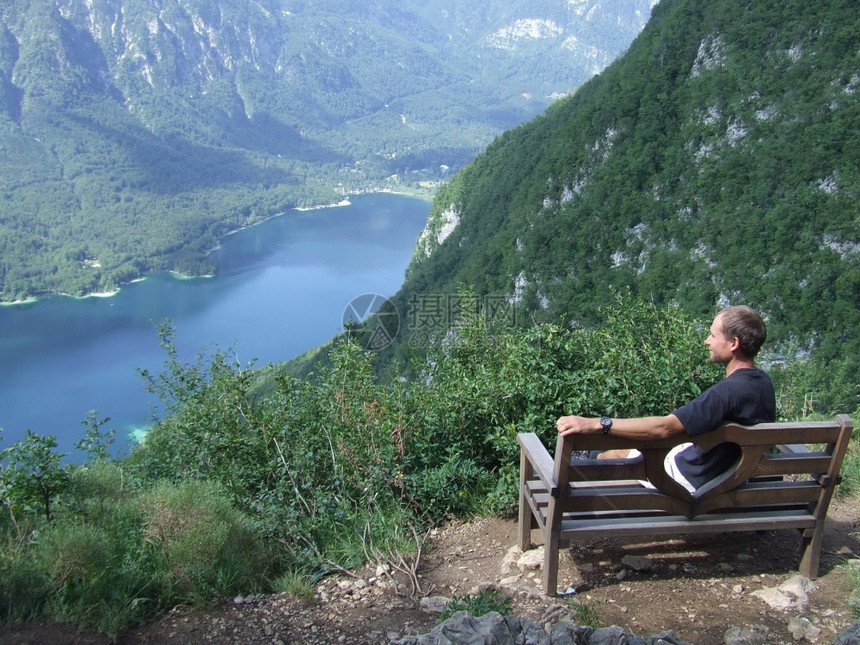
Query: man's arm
x=636, y=428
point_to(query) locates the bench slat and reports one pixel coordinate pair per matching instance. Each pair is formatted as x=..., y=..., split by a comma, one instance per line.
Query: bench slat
x=763, y=493
x=538, y=456
x=762, y=521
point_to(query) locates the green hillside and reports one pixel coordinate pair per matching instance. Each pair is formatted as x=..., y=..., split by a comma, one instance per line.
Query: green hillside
x=716, y=162
x=134, y=133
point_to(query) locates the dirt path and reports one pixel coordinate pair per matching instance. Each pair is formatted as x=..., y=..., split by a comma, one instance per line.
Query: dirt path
x=698, y=587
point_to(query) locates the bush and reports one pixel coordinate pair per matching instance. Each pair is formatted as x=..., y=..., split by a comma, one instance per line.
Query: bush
x=485, y=384
x=25, y=586
x=97, y=489
x=484, y=602
x=197, y=544
x=89, y=585
x=454, y=488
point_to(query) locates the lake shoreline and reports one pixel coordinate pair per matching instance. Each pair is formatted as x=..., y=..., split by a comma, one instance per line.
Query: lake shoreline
x=413, y=194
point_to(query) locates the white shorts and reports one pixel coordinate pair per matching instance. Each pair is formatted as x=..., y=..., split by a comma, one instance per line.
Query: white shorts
x=670, y=466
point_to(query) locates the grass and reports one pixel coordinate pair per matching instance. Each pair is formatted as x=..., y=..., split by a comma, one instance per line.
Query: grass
x=486, y=601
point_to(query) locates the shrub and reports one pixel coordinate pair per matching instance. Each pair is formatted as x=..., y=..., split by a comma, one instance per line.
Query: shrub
x=457, y=487
x=197, y=543
x=25, y=585
x=483, y=385
x=484, y=602
x=89, y=585
x=97, y=489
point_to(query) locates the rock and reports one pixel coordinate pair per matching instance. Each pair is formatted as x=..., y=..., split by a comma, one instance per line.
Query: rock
x=791, y=594
x=849, y=636
x=773, y=597
x=800, y=628
x=382, y=569
x=464, y=629
x=797, y=586
x=637, y=562
x=531, y=560
x=434, y=604
x=747, y=635
x=509, y=562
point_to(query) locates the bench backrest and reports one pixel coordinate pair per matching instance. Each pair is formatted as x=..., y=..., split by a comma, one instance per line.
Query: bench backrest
x=781, y=464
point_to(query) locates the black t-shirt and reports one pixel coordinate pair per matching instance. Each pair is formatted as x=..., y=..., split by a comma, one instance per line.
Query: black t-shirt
x=746, y=397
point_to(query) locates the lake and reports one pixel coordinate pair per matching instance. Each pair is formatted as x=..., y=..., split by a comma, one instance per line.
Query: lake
x=282, y=288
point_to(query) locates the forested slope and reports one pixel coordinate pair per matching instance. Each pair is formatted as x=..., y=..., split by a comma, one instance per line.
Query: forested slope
x=133, y=133
x=716, y=162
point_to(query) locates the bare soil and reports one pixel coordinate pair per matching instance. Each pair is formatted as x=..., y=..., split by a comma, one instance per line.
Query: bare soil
x=699, y=587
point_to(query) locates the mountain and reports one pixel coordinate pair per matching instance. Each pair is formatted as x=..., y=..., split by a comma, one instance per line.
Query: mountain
x=134, y=133
x=716, y=162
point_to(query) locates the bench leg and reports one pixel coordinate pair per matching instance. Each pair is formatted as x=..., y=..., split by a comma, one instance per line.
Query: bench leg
x=526, y=522
x=811, y=551
x=550, y=565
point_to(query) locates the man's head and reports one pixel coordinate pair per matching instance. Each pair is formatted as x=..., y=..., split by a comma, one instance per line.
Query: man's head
x=740, y=324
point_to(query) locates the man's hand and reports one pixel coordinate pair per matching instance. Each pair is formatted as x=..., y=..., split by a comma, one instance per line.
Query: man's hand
x=578, y=425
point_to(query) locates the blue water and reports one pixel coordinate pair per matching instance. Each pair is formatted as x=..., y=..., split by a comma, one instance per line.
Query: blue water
x=282, y=288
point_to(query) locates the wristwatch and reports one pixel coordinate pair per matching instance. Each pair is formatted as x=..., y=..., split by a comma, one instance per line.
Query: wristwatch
x=606, y=424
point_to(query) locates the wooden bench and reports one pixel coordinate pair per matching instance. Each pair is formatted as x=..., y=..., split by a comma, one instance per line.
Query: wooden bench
x=784, y=479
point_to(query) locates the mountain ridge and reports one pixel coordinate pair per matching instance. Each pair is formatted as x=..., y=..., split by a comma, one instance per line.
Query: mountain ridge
x=133, y=133
x=715, y=162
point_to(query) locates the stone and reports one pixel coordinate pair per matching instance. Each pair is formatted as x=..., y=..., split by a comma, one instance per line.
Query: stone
x=464, y=629
x=801, y=629
x=791, y=594
x=434, y=604
x=509, y=562
x=798, y=586
x=637, y=562
x=747, y=635
x=531, y=560
x=850, y=635
x=775, y=598
x=382, y=569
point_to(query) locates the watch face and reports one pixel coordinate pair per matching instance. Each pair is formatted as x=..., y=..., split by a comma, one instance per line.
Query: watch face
x=606, y=422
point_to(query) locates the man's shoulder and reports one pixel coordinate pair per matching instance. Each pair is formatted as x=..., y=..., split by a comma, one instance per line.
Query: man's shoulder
x=739, y=382
x=746, y=374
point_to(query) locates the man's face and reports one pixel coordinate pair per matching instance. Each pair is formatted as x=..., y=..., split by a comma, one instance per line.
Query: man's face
x=720, y=347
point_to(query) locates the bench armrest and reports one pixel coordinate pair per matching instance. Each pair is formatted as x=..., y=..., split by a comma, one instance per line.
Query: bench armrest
x=535, y=453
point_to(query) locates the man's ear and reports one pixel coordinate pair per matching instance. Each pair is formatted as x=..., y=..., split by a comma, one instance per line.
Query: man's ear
x=735, y=344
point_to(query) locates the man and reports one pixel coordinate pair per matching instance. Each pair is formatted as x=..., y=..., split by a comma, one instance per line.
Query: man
x=744, y=396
